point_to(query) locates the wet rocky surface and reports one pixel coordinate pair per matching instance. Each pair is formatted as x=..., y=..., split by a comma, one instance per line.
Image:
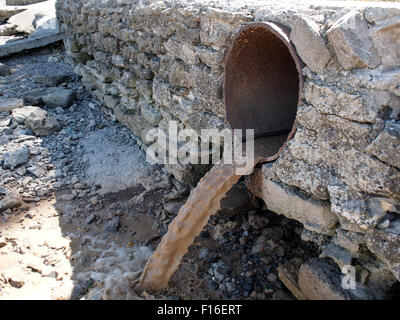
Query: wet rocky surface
x=81, y=210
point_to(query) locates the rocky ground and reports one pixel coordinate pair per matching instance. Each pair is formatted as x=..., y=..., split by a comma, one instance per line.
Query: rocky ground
x=81, y=210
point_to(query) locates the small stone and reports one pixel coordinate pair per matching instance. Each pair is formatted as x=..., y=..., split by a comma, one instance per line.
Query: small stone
x=52, y=80
x=219, y=276
x=34, y=97
x=90, y=219
x=53, y=59
x=20, y=114
x=67, y=197
x=15, y=158
x=203, y=253
x=94, y=200
x=79, y=186
x=7, y=105
x=281, y=295
x=384, y=224
x=258, y=221
x=20, y=171
x=230, y=287
x=340, y=255
x=272, y=277
x=163, y=215
x=347, y=239
x=10, y=200
x=113, y=225
x=267, y=247
x=36, y=171
x=74, y=179
x=173, y=206
x=363, y=275
x=77, y=292
x=16, y=283
x=36, y=119
x=60, y=98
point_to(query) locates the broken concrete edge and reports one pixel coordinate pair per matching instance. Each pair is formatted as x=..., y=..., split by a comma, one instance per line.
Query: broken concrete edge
x=30, y=43
x=7, y=13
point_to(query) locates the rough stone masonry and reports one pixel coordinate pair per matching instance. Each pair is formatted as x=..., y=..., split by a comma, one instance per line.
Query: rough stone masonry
x=154, y=61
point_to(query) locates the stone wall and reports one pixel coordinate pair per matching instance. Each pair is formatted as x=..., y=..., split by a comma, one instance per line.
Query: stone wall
x=150, y=62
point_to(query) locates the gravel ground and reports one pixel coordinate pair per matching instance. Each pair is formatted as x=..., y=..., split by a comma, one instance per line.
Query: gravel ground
x=25, y=66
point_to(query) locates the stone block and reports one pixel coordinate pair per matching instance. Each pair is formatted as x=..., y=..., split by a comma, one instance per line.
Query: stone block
x=353, y=47
x=309, y=44
x=386, y=147
x=353, y=207
x=321, y=279
x=315, y=215
x=385, y=245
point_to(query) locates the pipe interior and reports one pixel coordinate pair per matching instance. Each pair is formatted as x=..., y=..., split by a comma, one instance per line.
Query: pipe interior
x=261, y=89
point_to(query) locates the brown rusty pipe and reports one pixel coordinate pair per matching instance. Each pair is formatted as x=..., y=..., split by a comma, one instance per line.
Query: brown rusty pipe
x=263, y=80
x=261, y=91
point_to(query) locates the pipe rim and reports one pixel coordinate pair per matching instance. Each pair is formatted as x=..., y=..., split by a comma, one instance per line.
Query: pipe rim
x=282, y=33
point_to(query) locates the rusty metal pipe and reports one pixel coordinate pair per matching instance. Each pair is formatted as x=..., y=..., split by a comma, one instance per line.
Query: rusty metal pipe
x=263, y=81
x=261, y=91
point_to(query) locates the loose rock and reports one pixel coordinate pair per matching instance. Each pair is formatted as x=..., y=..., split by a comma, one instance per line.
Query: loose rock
x=9, y=201
x=15, y=158
x=62, y=98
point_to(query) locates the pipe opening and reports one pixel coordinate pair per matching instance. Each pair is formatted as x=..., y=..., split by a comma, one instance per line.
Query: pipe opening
x=263, y=79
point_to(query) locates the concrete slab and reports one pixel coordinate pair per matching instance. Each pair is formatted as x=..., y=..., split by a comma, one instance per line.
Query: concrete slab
x=30, y=43
x=34, y=16
x=38, y=20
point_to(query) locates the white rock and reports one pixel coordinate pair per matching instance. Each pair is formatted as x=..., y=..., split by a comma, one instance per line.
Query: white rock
x=16, y=157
